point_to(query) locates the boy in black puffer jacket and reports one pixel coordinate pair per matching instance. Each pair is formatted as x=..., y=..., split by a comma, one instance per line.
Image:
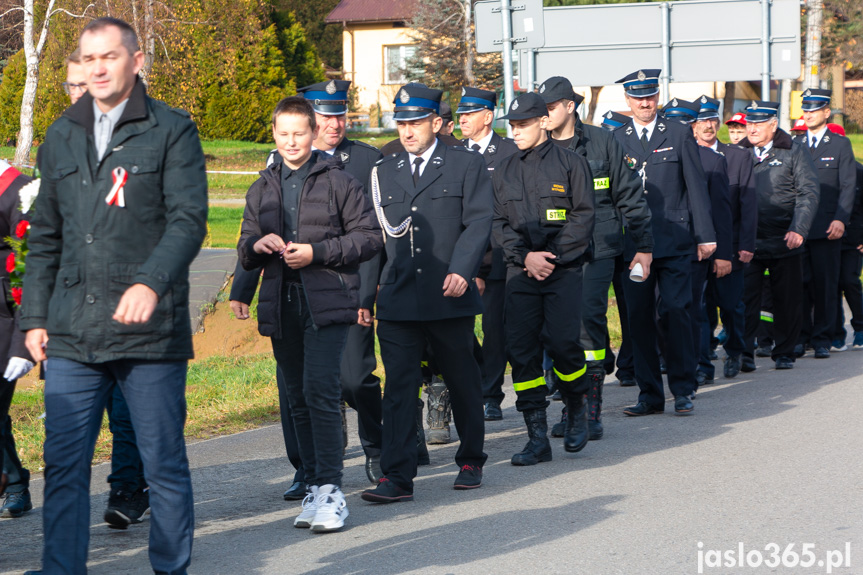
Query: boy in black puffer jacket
x=309, y=224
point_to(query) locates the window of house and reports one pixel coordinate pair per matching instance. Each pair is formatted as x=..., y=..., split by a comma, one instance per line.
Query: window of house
x=396, y=63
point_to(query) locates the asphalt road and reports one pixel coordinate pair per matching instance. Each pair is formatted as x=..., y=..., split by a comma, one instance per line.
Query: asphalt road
x=770, y=458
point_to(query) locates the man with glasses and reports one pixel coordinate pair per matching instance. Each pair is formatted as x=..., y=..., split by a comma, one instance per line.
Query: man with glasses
x=76, y=81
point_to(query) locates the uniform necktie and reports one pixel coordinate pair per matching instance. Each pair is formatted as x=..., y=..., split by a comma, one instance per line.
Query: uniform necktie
x=417, y=161
x=475, y=148
x=814, y=142
x=644, y=138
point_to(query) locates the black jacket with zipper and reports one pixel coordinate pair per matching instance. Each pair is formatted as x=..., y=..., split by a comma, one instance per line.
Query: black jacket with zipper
x=336, y=218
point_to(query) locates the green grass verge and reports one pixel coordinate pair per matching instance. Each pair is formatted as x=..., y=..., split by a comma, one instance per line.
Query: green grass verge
x=224, y=395
x=224, y=223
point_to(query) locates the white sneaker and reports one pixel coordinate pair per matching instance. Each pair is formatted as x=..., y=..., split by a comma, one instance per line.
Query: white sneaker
x=310, y=508
x=332, y=509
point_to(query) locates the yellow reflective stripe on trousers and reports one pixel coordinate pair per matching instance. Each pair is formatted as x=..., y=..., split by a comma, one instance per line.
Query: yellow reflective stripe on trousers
x=594, y=354
x=571, y=376
x=522, y=385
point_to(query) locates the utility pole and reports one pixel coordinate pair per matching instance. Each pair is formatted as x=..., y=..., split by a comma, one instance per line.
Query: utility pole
x=812, y=64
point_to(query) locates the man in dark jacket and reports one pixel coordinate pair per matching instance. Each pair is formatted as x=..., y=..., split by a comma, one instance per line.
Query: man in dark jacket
x=120, y=216
x=543, y=220
x=787, y=188
x=434, y=203
x=837, y=178
x=308, y=213
x=617, y=197
x=726, y=291
x=14, y=477
x=849, y=274
x=716, y=172
x=476, y=116
x=665, y=156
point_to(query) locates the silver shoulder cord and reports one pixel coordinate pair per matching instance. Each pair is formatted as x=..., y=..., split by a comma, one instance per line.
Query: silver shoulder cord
x=389, y=230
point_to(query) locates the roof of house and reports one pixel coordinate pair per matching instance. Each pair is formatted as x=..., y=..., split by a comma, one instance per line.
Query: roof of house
x=373, y=11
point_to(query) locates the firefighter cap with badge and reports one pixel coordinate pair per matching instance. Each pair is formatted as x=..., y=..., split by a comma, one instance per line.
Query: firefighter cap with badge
x=641, y=83
x=526, y=106
x=559, y=88
x=814, y=99
x=328, y=98
x=416, y=101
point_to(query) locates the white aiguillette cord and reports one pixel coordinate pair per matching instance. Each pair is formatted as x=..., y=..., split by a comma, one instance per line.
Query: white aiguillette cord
x=116, y=196
x=388, y=229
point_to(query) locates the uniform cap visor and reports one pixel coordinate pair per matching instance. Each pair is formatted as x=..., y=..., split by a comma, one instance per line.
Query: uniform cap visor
x=330, y=109
x=642, y=91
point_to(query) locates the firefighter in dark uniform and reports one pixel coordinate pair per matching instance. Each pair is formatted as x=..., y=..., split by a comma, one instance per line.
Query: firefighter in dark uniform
x=716, y=171
x=849, y=274
x=726, y=292
x=543, y=220
x=617, y=194
x=476, y=116
x=435, y=205
x=837, y=176
x=665, y=156
x=360, y=387
x=787, y=186
x=625, y=362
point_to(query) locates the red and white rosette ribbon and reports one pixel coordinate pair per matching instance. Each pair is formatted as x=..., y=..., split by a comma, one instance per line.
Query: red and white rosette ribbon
x=116, y=195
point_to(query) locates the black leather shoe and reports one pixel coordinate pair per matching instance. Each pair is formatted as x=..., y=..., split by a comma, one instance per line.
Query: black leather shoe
x=747, y=364
x=492, y=411
x=641, y=408
x=764, y=351
x=702, y=378
x=373, y=468
x=784, y=362
x=683, y=405
x=822, y=353
x=731, y=367
x=387, y=492
x=627, y=381
x=469, y=477
x=799, y=350
x=296, y=491
x=558, y=428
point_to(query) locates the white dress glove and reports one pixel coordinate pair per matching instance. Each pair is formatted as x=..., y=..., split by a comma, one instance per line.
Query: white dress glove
x=17, y=367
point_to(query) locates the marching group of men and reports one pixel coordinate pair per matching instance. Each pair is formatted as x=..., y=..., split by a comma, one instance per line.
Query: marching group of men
x=679, y=222
x=530, y=233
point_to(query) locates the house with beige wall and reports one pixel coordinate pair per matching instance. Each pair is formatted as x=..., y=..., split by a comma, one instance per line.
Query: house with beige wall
x=376, y=44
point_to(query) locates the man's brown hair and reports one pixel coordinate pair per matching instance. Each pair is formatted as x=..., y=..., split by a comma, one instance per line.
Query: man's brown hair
x=129, y=38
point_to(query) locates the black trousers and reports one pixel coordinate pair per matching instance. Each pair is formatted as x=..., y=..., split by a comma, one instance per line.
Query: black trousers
x=402, y=345
x=671, y=277
x=310, y=358
x=728, y=295
x=764, y=332
x=700, y=270
x=494, y=341
x=625, y=358
x=544, y=315
x=786, y=280
x=361, y=388
x=850, y=267
x=288, y=432
x=19, y=476
x=598, y=276
x=821, y=263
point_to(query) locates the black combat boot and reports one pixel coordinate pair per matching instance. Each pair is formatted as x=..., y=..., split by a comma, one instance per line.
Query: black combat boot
x=422, y=449
x=575, y=435
x=594, y=405
x=538, y=448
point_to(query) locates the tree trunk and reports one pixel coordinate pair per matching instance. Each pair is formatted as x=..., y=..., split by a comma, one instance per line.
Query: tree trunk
x=469, y=45
x=728, y=101
x=25, y=132
x=594, y=102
